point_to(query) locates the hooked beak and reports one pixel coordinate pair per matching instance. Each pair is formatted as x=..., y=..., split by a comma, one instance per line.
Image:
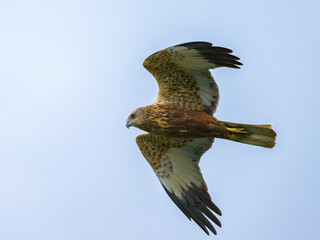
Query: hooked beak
x=128, y=125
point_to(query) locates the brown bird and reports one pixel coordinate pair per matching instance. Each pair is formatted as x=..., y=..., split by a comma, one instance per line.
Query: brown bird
x=181, y=127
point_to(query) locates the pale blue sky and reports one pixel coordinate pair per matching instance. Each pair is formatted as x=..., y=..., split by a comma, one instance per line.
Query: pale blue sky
x=71, y=72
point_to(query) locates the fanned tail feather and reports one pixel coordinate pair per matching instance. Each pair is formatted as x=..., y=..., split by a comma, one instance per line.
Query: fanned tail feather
x=259, y=135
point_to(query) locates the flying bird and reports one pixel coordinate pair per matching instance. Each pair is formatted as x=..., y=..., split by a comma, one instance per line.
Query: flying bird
x=181, y=126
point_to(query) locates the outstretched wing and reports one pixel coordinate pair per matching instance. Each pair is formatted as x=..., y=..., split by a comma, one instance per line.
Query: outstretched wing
x=183, y=76
x=175, y=162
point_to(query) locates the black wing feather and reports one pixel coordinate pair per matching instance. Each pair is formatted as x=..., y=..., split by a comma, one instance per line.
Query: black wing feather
x=195, y=205
x=219, y=56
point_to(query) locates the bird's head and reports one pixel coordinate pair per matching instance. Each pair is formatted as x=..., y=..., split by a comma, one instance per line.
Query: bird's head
x=135, y=118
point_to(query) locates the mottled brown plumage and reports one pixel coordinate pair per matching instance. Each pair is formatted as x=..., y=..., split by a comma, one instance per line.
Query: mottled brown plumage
x=181, y=127
x=176, y=121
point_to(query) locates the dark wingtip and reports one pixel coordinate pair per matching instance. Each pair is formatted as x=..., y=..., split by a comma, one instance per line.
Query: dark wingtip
x=219, y=56
x=196, y=204
x=195, y=44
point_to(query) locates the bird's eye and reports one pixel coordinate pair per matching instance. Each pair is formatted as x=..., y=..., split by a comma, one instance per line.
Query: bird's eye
x=132, y=115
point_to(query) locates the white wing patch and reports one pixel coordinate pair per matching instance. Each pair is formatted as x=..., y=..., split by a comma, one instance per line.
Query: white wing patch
x=179, y=167
x=190, y=60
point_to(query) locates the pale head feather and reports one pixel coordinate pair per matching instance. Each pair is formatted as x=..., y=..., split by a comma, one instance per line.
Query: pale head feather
x=135, y=118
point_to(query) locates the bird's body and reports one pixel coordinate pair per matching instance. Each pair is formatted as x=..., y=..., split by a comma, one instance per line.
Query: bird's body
x=175, y=121
x=181, y=127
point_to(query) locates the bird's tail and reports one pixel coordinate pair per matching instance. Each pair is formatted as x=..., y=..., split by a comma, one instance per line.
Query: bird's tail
x=259, y=135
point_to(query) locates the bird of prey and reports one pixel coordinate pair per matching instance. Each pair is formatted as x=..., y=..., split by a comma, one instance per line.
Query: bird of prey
x=181, y=126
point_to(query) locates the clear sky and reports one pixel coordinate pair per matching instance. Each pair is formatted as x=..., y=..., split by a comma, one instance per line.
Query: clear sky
x=70, y=74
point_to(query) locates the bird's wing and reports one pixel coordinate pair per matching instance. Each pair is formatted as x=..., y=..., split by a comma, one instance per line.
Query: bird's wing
x=175, y=162
x=183, y=75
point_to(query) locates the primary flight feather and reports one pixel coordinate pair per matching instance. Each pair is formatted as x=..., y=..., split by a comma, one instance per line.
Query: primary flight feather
x=181, y=127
